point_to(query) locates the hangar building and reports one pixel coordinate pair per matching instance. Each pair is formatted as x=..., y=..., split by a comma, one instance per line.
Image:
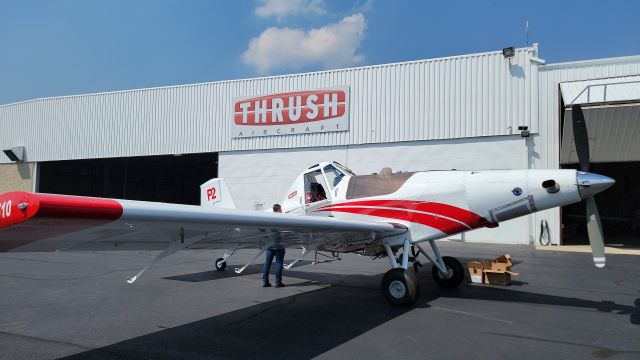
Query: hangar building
x=459, y=112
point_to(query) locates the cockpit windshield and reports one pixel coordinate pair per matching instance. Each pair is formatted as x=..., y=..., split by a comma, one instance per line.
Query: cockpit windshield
x=333, y=174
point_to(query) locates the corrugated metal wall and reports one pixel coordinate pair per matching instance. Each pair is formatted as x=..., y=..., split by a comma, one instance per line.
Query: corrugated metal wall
x=548, y=146
x=446, y=98
x=613, y=134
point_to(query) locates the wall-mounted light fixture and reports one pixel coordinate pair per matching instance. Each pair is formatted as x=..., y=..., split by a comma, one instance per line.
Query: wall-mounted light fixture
x=15, y=154
x=509, y=52
x=524, y=131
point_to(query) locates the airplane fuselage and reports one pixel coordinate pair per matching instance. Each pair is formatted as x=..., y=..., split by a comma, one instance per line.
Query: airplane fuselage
x=439, y=204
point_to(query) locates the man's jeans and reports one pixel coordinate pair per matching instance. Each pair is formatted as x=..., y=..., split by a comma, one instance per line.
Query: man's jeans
x=279, y=255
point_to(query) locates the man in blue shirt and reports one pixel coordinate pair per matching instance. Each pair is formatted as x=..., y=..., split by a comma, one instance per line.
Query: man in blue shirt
x=275, y=250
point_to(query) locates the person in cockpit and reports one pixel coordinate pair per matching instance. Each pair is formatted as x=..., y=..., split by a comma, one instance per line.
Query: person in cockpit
x=318, y=191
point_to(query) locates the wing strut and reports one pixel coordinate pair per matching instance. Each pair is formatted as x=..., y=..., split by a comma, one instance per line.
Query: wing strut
x=173, y=247
x=262, y=250
x=302, y=255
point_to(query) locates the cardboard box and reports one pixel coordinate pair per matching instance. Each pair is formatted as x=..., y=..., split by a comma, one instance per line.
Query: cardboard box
x=475, y=271
x=499, y=278
x=486, y=264
x=496, y=271
x=502, y=263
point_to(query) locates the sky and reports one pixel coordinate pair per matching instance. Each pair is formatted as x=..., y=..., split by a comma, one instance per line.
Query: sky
x=66, y=47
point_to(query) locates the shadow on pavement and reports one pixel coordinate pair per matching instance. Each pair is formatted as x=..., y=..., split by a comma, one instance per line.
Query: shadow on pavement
x=229, y=272
x=298, y=327
x=306, y=325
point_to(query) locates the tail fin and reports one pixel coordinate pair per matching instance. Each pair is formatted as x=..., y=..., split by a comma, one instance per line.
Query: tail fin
x=215, y=193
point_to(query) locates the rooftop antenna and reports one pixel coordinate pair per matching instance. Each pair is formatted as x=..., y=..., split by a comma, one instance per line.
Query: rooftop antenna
x=526, y=32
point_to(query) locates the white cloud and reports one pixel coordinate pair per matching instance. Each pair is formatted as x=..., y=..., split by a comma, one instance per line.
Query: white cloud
x=363, y=7
x=282, y=8
x=331, y=46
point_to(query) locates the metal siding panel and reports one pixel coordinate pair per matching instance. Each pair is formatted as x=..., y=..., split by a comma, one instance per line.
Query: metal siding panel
x=612, y=134
x=463, y=96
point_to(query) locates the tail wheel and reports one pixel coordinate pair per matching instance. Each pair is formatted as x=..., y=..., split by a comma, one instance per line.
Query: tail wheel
x=400, y=287
x=456, y=269
x=220, y=265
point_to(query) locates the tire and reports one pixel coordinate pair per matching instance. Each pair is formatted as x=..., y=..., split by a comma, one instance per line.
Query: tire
x=458, y=273
x=400, y=287
x=220, y=266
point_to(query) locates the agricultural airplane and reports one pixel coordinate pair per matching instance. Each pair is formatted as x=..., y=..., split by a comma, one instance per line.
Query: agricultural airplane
x=328, y=209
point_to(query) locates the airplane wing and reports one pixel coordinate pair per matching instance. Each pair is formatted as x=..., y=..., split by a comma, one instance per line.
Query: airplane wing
x=47, y=222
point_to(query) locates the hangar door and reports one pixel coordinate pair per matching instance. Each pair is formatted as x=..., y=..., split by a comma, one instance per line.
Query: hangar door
x=612, y=114
x=166, y=178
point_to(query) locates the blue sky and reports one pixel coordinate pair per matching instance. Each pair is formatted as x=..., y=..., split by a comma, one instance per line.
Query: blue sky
x=64, y=47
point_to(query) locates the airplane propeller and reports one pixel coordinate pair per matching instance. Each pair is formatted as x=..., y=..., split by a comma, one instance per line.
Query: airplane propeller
x=589, y=184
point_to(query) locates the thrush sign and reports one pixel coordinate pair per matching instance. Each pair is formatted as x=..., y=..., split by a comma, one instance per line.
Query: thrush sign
x=300, y=112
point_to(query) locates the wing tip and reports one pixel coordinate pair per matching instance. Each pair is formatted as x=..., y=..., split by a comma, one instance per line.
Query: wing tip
x=17, y=207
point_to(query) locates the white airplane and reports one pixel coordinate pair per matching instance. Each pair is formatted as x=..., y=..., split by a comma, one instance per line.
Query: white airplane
x=327, y=209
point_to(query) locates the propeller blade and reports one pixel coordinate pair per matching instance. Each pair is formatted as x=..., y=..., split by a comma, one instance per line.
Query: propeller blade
x=580, y=137
x=594, y=229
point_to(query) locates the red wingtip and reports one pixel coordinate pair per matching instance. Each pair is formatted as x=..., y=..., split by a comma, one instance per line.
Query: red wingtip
x=26, y=217
x=78, y=207
x=17, y=207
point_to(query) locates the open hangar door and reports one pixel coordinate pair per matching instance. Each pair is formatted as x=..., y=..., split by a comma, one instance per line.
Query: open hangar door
x=611, y=109
x=165, y=178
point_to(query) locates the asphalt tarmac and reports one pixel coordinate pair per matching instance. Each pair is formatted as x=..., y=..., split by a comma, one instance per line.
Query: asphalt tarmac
x=77, y=305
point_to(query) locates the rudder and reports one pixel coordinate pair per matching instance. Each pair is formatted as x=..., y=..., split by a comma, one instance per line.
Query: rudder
x=215, y=193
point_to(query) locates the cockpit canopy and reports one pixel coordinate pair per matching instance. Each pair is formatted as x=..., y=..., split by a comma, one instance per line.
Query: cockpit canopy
x=322, y=179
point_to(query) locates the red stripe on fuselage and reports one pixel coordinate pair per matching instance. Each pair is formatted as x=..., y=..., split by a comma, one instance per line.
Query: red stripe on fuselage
x=443, y=224
x=465, y=216
x=49, y=215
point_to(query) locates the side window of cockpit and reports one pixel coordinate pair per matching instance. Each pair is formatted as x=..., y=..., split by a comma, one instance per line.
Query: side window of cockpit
x=334, y=176
x=315, y=187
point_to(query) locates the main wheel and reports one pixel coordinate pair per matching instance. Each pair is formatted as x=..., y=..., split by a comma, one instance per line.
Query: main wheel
x=400, y=287
x=457, y=273
x=220, y=266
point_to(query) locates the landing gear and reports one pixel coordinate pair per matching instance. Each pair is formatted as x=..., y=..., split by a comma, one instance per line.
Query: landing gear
x=447, y=271
x=400, y=287
x=454, y=275
x=220, y=264
x=416, y=266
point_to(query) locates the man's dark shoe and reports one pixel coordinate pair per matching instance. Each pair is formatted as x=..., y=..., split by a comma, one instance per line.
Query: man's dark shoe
x=279, y=285
x=267, y=285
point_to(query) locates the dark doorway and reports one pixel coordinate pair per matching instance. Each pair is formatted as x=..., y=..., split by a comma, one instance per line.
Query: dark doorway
x=619, y=207
x=167, y=178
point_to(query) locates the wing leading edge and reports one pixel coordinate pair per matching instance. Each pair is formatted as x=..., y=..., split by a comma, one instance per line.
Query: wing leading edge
x=48, y=222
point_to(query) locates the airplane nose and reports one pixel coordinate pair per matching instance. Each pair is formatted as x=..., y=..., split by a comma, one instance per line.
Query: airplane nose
x=590, y=184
